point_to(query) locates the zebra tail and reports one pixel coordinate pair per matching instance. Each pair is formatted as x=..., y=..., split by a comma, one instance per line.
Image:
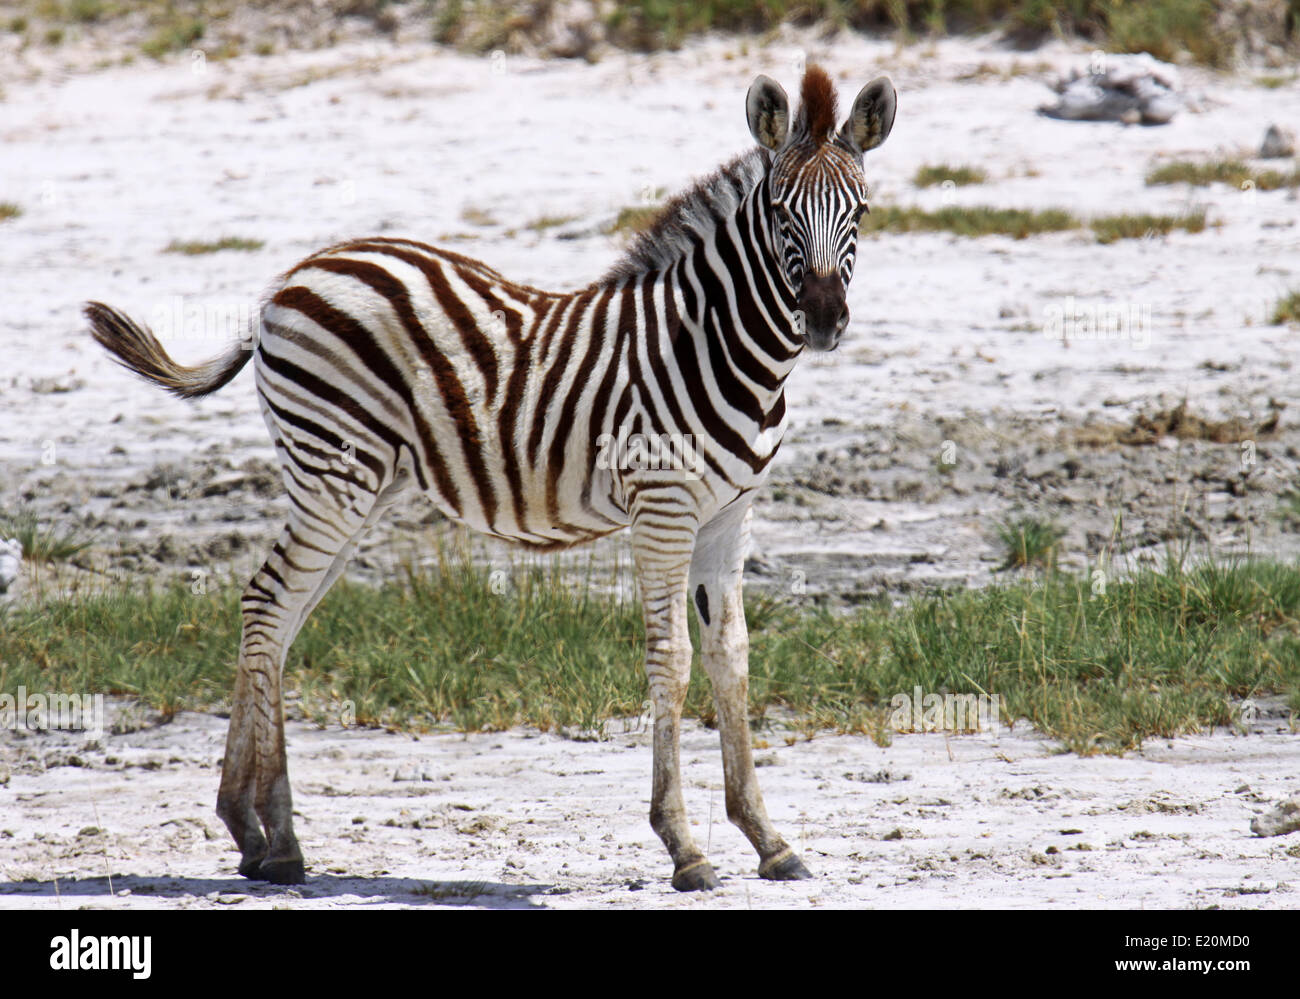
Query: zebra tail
x=136, y=348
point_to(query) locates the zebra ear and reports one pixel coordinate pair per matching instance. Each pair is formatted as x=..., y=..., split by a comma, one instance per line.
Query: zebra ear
x=872, y=117
x=768, y=111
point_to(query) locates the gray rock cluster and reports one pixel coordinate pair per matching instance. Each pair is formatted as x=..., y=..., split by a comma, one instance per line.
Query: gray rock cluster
x=1131, y=89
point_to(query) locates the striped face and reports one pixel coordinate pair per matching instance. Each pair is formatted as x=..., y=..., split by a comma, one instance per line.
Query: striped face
x=818, y=198
x=818, y=190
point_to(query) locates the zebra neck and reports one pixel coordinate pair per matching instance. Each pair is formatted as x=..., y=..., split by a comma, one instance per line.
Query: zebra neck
x=746, y=305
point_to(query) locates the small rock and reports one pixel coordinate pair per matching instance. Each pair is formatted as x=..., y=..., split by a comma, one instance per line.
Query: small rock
x=1283, y=819
x=1045, y=467
x=11, y=561
x=413, y=771
x=230, y=898
x=1279, y=141
x=57, y=385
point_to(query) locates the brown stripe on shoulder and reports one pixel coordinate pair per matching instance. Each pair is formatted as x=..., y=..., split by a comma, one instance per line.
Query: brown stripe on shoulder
x=817, y=114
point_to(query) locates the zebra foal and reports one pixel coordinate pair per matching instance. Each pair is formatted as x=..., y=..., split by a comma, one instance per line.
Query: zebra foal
x=383, y=364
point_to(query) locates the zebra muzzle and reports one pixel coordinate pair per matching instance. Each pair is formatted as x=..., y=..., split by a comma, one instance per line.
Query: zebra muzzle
x=824, y=310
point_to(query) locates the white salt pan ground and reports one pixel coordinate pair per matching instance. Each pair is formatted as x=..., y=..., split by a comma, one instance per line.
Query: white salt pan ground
x=531, y=820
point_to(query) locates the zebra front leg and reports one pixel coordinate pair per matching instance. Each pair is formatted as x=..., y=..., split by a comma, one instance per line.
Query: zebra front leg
x=661, y=546
x=715, y=588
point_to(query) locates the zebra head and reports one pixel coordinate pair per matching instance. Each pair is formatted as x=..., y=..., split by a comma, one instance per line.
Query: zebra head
x=817, y=190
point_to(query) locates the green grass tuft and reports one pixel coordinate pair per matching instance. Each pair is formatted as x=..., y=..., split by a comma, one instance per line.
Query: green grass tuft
x=1287, y=310
x=1018, y=223
x=42, y=544
x=9, y=210
x=1110, y=228
x=86, y=11
x=176, y=33
x=962, y=176
x=193, y=248
x=1224, y=171
x=1288, y=507
x=1029, y=542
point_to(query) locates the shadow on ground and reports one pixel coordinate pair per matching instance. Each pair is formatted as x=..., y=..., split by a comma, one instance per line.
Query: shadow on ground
x=235, y=890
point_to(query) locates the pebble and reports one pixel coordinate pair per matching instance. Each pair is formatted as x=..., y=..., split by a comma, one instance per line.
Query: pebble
x=1279, y=142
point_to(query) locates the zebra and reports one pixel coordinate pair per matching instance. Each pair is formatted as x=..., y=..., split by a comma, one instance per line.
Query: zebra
x=384, y=363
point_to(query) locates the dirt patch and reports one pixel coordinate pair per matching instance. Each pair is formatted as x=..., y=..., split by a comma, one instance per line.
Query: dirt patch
x=889, y=510
x=1187, y=426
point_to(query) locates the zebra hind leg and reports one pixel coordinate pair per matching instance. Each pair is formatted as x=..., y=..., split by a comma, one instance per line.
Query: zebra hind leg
x=254, y=799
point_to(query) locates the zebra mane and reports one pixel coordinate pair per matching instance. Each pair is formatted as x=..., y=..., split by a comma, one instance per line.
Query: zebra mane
x=691, y=215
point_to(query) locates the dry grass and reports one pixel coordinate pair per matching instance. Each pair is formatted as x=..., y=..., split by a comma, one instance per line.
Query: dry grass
x=545, y=222
x=634, y=219
x=1287, y=310
x=477, y=216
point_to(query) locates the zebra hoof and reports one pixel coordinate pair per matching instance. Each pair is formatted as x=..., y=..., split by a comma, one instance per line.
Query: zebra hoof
x=251, y=867
x=696, y=876
x=282, y=872
x=785, y=866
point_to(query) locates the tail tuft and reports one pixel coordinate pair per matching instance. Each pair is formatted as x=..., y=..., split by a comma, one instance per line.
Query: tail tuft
x=136, y=348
